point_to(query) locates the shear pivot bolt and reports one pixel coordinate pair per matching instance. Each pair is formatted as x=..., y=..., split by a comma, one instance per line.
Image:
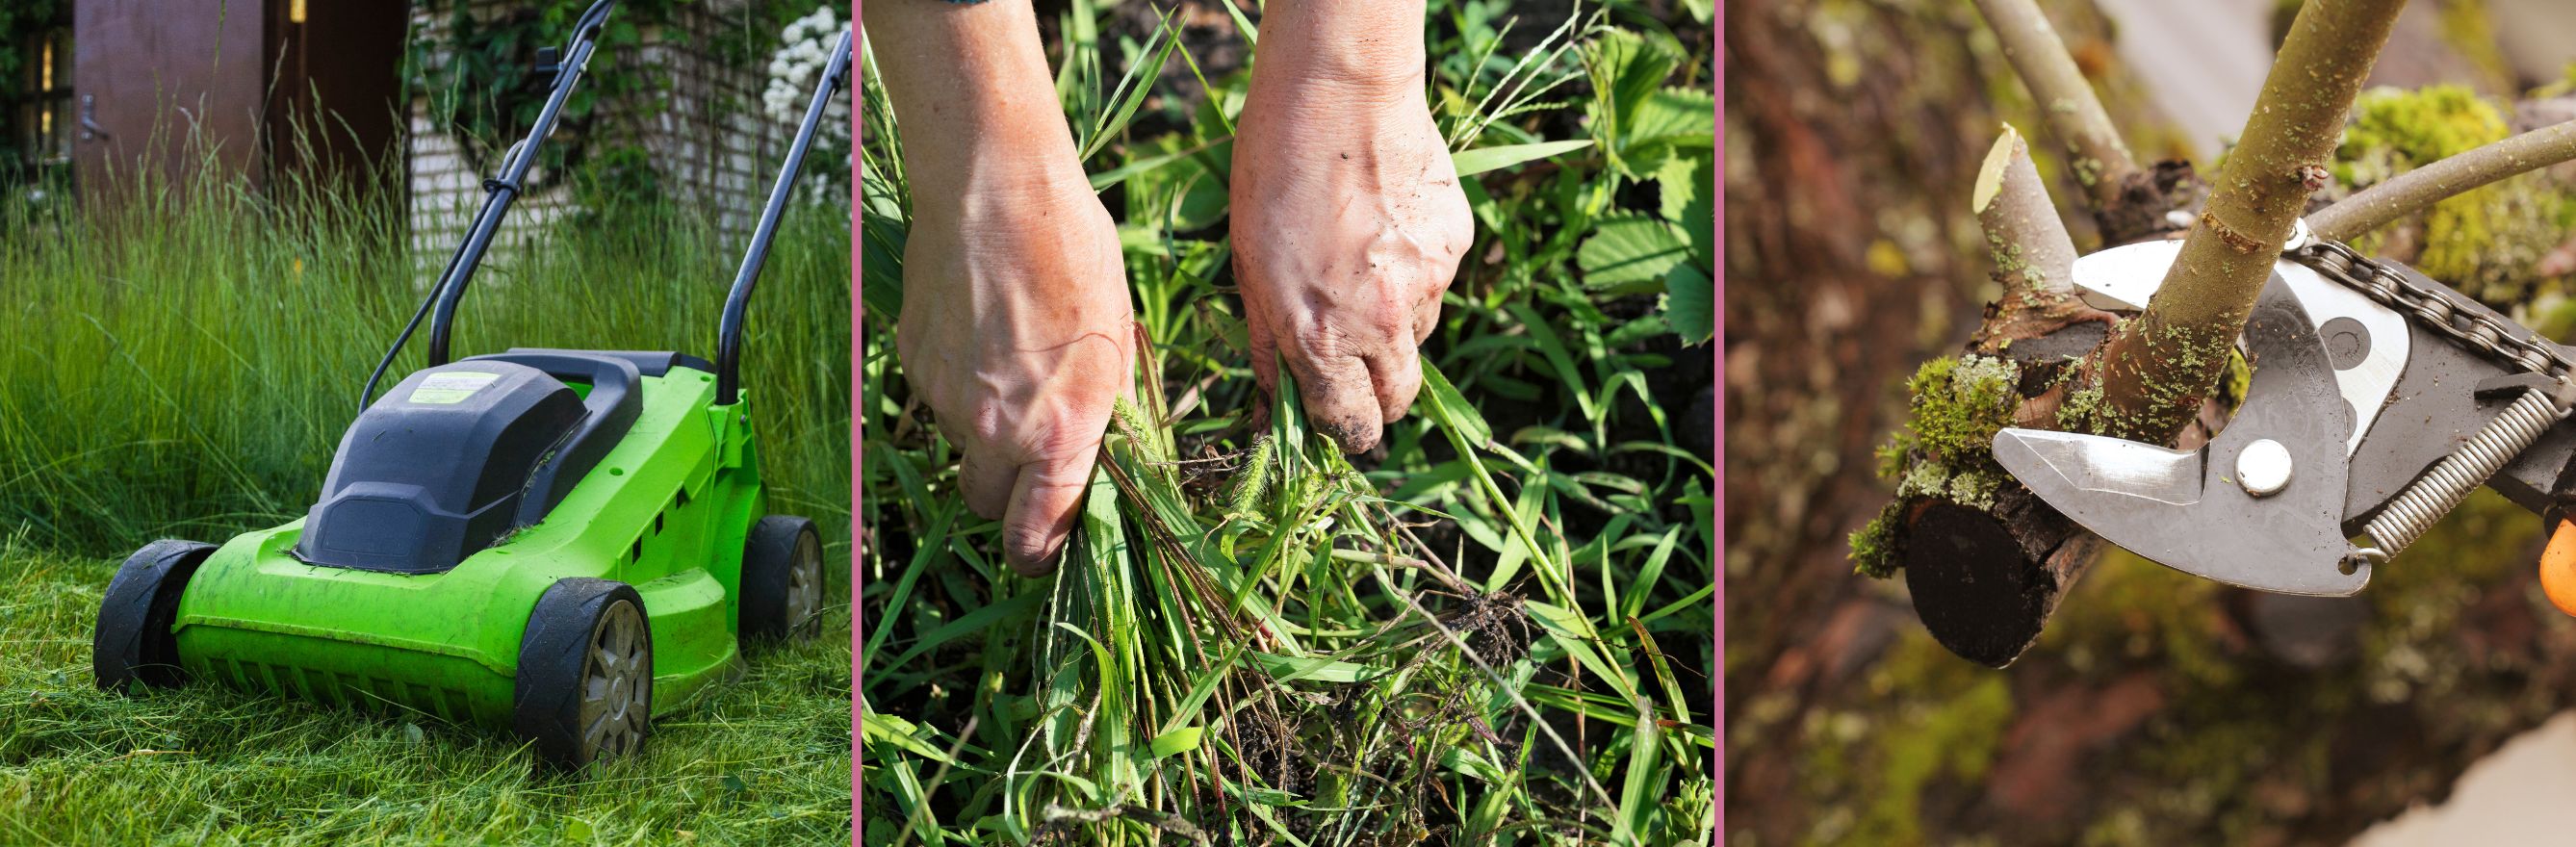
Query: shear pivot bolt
x=2264, y=468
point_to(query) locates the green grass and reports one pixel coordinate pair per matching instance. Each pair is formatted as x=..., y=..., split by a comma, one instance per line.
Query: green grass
x=760, y=761
x=184, y=368
x=1498, y=630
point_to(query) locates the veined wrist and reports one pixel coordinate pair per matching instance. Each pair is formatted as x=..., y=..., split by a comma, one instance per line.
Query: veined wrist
x=1026, y=138
x=1370, y=46
x=1000, y=183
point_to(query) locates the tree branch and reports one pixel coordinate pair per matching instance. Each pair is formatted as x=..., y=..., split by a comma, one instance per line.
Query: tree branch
x=2156, y=371
x=2418, y=189
x=1985, y=579
x=2034, y=257
x=2075, y=115
x=2025, y=237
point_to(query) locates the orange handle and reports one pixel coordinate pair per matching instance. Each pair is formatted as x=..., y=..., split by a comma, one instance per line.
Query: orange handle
x=2558, y=567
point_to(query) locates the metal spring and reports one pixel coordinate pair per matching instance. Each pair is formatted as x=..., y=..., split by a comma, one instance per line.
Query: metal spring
x=2416, y=508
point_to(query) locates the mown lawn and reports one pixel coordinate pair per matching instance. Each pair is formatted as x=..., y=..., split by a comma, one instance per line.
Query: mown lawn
x=762, y=761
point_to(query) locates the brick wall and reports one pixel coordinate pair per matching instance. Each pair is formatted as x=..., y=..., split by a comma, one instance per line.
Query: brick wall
x=698, y=120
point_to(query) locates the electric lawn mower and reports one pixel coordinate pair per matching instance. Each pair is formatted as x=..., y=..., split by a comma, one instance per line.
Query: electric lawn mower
x=562, y=542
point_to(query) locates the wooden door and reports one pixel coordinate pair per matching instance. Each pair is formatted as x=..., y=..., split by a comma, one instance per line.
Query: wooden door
x=163, y=87
x=333, y=112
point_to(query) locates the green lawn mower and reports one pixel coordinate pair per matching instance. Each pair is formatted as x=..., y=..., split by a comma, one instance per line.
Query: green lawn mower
x=562, y=542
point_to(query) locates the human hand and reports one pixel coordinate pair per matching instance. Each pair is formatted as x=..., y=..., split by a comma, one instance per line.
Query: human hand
x=1017, y=331
x=1016, y=327
x=1348, y=221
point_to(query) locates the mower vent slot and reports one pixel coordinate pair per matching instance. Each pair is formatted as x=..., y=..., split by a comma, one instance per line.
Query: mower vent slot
x=657, y=521
x=635, y=552
x=334, y=689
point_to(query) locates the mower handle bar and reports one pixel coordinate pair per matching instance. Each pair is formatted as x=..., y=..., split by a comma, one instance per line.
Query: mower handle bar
x=504, y=189
x=836, y=72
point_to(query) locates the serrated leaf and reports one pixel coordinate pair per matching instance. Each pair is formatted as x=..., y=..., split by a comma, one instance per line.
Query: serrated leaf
x=1681, y=181
x=1629, y=249
x=1482, y=159
x=1690, y=303
x=1676, y=116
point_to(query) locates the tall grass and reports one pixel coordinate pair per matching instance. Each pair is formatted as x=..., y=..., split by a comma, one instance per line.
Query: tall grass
x=183, y=364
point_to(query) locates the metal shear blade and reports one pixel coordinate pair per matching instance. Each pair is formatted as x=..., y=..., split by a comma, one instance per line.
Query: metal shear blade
x=2367, y=343
x=2260, y=506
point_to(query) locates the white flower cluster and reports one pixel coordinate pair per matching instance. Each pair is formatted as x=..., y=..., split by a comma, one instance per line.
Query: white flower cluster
x=804, y=47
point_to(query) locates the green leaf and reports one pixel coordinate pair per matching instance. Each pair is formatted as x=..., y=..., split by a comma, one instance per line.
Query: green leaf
x=876, y=729
x=1626, y=69
x=1482, y=159
x=1641, y=796
x=1627, y=249
x=1465, y=760
x=1185, y=738
x=1678, y=117
x=1318, y=668
x=1690, y=303
x=979, y=621
x=1680, y=183
x=1451, y=409
x=1103, y=180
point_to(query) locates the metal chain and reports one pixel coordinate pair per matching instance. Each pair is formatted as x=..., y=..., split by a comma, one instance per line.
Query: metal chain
x=2483, y=333
x=2423, y=502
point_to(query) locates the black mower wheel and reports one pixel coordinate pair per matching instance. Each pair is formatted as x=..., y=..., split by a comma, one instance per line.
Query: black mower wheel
x=782, y=580
x=585, y=687
x=133, y=639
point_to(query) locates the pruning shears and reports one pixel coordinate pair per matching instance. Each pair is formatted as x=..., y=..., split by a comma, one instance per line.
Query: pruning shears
x=2380, y=399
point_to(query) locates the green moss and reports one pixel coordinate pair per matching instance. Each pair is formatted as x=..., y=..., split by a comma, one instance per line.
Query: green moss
x=1958, y=404
x=2239, y=382
x=2484, y=241
x=1876, y=547
x=1945, y=449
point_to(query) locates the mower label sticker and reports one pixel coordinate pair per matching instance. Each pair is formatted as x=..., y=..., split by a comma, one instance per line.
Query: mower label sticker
x=451, y=386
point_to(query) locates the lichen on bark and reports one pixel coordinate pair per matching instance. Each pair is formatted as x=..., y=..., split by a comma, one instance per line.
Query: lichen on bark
x=1945, y=448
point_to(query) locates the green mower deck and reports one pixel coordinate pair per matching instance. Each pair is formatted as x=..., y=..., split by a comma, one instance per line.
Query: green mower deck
x=667, y=511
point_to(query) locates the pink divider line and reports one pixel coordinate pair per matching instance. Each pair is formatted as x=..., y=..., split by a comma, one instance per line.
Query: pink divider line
x=1717, y=349
x=858, y=305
